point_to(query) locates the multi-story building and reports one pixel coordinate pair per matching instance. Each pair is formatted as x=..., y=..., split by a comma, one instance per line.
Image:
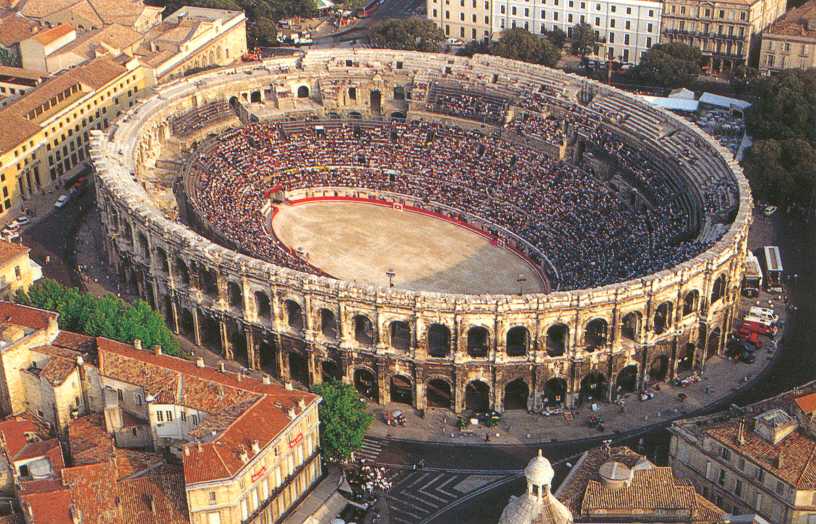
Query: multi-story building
x=760, y=458
x=462, y=19
x=17, y=270
x=628, y=27
x=726, y=31
x=790, y=42
x=14, y=28
x=246, y=450
x=15, y=82
x=87, y=15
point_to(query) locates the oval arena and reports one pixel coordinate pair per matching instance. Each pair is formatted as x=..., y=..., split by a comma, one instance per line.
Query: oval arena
x=604, y=238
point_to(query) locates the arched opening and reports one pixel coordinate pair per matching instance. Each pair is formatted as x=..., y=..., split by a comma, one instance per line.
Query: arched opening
x=330, y=371
x=595, y=334
x=187, y=324
x=237, y=342
x=143, y=246
x=294, y=315
x=234, y=293
x=659, y=368
x=713, y=346
x=210, y=333
x=255, y=97
x=182, y=272
x=690, y=302
x=161, y=257
x=685, y=357
x=627, y=379
x=438, y=393
x=263, y=307
x=518, y=340
x=363, y=331
x=303, y=92
x=438, y=340
x=399, y=333
x=399, y=93
x=267, y=353
x=477, y=341
x=718, y=290
x=355, y=115
x=516, y=394
x=630, y=326
x=366, y=384
x=376, y=101
x=234, y=103
x=555, y=390
x=402, y=390
x=328, y=324
x=209, y=282
x=557, y=340
x=477, y=396
x=352, y=93
x=298, y=368
x=593, y=387
x=663, y=318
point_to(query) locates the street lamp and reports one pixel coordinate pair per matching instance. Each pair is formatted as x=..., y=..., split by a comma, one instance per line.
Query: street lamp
x=390, y=274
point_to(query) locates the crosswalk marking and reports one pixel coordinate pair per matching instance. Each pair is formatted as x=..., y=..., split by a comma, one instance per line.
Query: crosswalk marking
x=370, y=450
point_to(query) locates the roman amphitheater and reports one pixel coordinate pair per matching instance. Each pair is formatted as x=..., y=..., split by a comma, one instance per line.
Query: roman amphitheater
x=450, y=232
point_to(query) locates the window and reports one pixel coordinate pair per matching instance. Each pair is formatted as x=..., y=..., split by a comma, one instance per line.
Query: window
x=612, y=22
x=648, y=28
x=614, y=8
x=526, y=11
x=722, y=13
x=626, y=39
x=611, y=38
x=213, y=498
x=17, y=273
x=184, y=416
x=780, y=487
x=513, y=10
x=501, y=9
x=738, y=488
x=721, y=478
x=743, y=16
x=786, y=47
x=759, y=474
x=651, y=13
x=628, y=10
x=138, y=399
x=569, y=18
x=741, y=464
x=597, y=21
x=159, y=416
x=628, y=25
x=169, y=416
x=119, y=393
x=725, y=453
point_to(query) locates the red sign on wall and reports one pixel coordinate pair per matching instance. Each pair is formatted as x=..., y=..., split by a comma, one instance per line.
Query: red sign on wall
x=294, y=442
x=258, y=473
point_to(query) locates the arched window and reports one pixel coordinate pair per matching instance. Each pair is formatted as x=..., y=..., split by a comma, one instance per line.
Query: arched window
x=518, y=340
x=477, y=341
x=690, y=302
x=595, y=334
x=438, y=340
x=303, y=92
x=557, y=336
x=328, y=324
x=718, y=290
x=262, y=305
x=363, y=331
x=630, y=328
x=663, y=318
x=400, y=335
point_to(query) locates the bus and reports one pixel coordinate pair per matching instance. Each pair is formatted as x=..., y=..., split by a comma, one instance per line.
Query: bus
x=773, y=269
x=752, y=277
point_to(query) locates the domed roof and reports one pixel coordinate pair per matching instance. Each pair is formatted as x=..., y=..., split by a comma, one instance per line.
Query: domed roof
x=613, y=470
x=539, y=471
x=520, y=510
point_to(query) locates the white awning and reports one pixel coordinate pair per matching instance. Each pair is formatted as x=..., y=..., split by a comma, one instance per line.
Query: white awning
x=724, y=101
x=672, y=104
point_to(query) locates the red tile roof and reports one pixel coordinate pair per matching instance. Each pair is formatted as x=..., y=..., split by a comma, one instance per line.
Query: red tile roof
x=25, y=316
x=49, y=35
x=51, y=507
x=11, y=250
x=14, y=432
x=807, y=403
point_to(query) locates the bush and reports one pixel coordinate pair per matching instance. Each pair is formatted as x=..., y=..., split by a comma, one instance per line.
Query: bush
x=343, y=420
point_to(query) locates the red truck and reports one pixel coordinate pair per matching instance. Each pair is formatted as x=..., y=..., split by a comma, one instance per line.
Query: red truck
x=756, y=327
x=752, y=337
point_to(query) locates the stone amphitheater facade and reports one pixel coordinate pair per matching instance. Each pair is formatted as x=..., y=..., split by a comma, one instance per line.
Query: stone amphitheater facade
x=280, y=320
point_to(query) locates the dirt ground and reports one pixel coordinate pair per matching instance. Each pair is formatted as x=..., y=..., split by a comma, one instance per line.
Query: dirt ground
x=361, y=242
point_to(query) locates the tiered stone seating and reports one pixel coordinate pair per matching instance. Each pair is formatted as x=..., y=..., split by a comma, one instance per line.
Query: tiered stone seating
x=200, y=117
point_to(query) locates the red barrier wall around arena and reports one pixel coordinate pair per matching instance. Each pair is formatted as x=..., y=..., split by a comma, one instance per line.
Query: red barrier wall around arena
x=411, y=209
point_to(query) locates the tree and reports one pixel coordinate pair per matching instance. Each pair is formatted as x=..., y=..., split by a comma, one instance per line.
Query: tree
x=520, y=44
x=8, y=59
x=784, y=106
x=343, y=420
x=263, y=33
x=669, y=65
x=411, y=34
x=557, y=36
x=583, y=39
x=782, y=172
x=474, y=47
x=107, y=316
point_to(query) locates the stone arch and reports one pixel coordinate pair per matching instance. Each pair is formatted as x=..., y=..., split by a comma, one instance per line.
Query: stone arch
x=161, y=257
x=594, y=386
x=399, y=93
x=209, y=281
x=627, y=379
x=210, y=332
x=303, y=91
x=555, y=390
x=557, y=336
x=595, y=334
x=663, y=317
x=439, y=393
x=143, y=245
x=517, y=341
x=659, y=368
x=439, y=337
x=690, y=302
x=363, y=330
x=399, y=334
x=294, y=315
x=516, y=394
x=328, y=324
x=630, y=325
x=330, y=371
x=187, y=323
x=365, y=381
x=713, y=344
x=685, y=356
x=182, y=272
x=478, y=341
x=298, y=368
x=255, y=97
x=263, y=306
x=235, y=295
x=402, y=389
x=718, y=289
x=477, y=396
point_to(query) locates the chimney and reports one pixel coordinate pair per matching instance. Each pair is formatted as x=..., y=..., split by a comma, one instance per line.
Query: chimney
x=741, y=432
x=266, y=379
x=301, y=404
x=199, y=362
x=76, y=515
x=779, y=462
x=157, y=349
x=288, y=386
x=244, y=455
x=199, y=447
x=239, y=376
x=222, y=367
x=256, y=447
x=186, y=451
x=152, y=503
x=137, y=343
x=291, y=413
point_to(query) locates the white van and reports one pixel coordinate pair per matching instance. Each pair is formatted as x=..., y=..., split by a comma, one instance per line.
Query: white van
x=763, y=312
x=759, y=320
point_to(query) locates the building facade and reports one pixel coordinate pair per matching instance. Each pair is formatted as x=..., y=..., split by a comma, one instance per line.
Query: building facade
x=790, y=42
x=466, y=20
x=727, y=32
x=628, y=27
x=756, y=459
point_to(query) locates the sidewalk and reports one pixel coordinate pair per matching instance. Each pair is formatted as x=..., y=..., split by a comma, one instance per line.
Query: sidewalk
x=323, y=504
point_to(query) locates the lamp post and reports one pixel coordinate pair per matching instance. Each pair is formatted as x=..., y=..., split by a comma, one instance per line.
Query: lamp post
x=390, y=274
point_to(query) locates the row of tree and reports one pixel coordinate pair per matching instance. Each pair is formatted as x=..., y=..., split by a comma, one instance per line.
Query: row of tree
x=106, y=316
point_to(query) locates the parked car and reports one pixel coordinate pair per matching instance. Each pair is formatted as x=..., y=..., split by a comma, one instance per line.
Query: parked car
x=61, y=201
x=750, y=337
x=769, y=210
x=22, y=220
x=764, y=313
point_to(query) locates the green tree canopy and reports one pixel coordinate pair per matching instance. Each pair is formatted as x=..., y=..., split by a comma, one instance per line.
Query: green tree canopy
x=520, y=44
x=474, y=47
x=557, y=36
x=107, y=316
x=782, y=172
x=784, y=106
x=669, y=65
x=411, y=34
x=343, y=420
x=583, y=39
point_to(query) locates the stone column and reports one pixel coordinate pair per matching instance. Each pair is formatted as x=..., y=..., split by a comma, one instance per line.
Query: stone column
x=196, y=327
x=174, y=316
x=383, y=384
x=420, y=401
x=282, y=362
x=252, y=354
x=315, y=376
x=226, y=347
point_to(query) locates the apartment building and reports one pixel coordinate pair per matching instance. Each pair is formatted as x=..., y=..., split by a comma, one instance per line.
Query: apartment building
x=17, y=270
x=726, y=31
x=15, y=82
x=246, y=450
x=465, y=20
x=46, y=131
x=790, y=42
x=757, y=459
x=628, y=27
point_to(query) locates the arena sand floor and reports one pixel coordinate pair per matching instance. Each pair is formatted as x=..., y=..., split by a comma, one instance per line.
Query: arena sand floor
x=361, y=242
